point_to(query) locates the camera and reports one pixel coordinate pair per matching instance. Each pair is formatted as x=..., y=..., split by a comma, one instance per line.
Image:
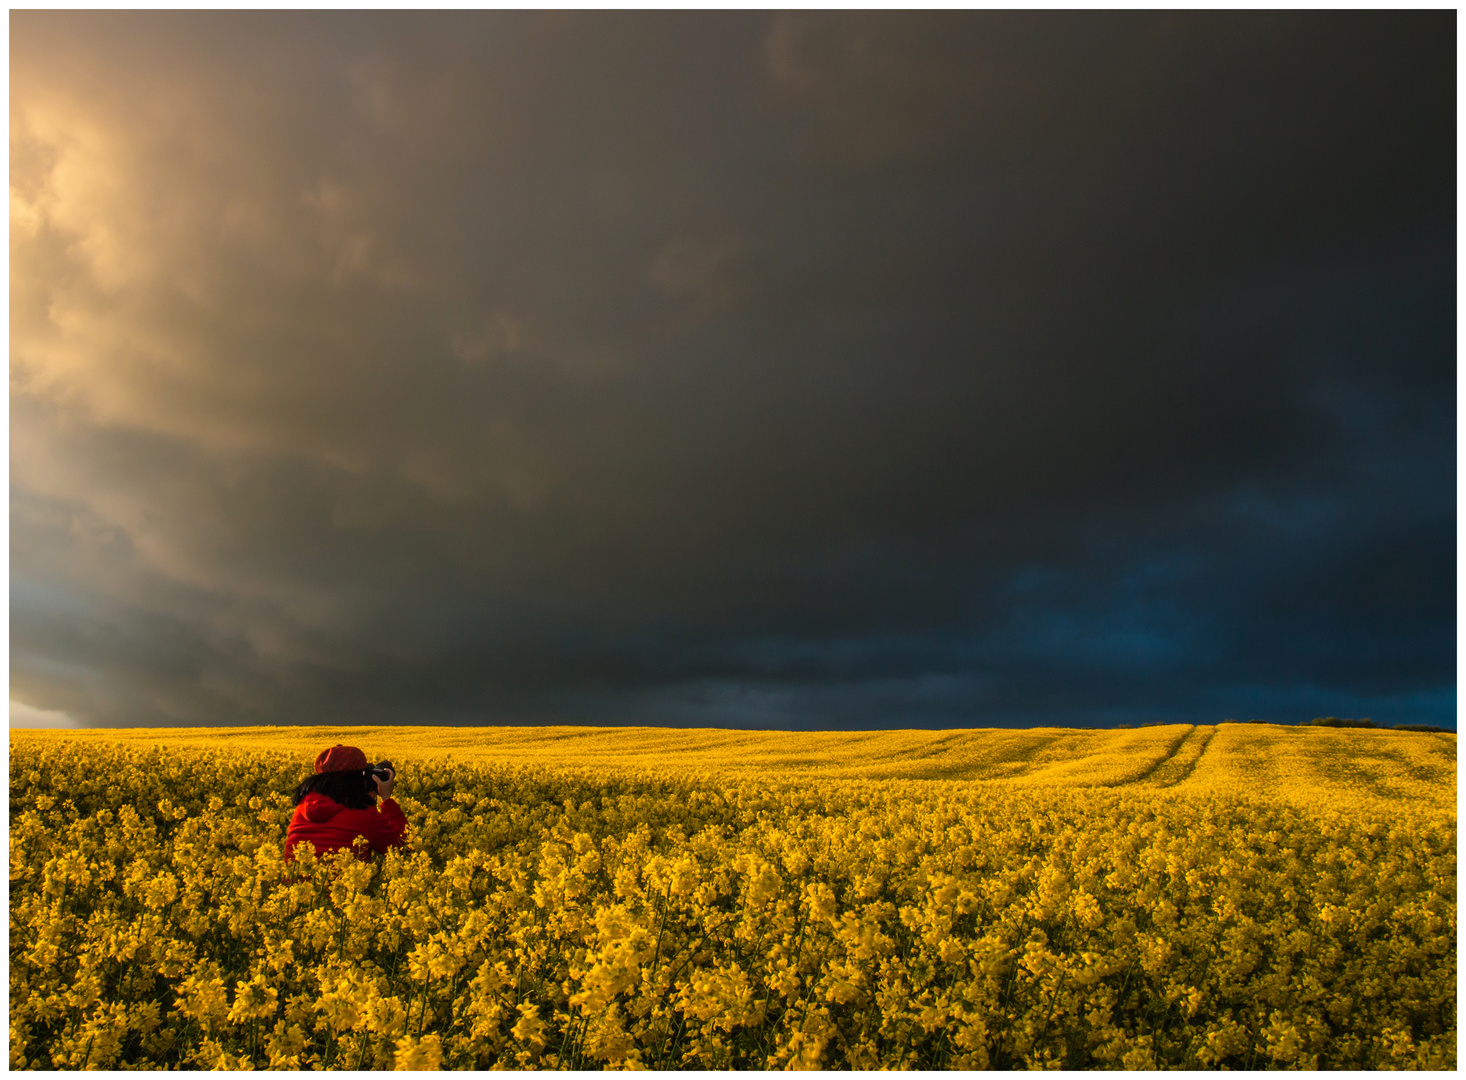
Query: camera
x=382, y=771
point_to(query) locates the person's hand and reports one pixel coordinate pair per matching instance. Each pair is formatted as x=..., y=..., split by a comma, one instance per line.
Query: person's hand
x=384, y=787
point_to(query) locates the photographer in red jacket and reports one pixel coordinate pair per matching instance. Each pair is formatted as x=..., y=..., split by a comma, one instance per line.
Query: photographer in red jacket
x=338, y=804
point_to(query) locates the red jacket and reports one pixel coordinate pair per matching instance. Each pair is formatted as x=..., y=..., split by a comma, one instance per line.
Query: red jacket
x=328, y=826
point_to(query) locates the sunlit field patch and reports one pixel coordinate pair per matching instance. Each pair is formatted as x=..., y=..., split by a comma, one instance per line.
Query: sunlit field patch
x=1239, y=896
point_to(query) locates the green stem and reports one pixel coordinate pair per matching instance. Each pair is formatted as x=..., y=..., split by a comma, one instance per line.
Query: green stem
x=657, y=954
x=422, y=1016
x=366, y=1039
x=670, y=1039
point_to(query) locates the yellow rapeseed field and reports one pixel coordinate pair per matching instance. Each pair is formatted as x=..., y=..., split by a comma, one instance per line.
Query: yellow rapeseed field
x=1225, y=896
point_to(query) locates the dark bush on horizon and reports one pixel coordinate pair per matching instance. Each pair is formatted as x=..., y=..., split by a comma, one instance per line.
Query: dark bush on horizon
x=1334, y=721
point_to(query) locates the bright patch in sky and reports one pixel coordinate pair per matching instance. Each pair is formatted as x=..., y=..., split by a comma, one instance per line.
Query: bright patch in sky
x=26, y=716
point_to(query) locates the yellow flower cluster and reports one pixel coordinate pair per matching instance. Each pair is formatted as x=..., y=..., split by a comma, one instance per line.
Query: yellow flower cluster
x=585, y=916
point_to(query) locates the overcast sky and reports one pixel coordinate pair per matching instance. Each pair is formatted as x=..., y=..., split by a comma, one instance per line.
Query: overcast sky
x=773, y=370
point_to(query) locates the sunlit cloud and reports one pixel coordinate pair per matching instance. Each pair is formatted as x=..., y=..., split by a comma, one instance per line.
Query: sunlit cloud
x=25, y=716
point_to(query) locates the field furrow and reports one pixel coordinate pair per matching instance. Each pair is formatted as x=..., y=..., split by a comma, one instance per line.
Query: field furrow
x=1183, y=763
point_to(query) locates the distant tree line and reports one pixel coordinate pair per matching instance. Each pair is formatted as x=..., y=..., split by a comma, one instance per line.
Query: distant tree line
x=1317, y=721
x=1347, y=722
x=1334, y=721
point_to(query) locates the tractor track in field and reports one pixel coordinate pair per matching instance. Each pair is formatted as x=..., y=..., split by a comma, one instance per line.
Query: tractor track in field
x=1191, y=733
x=1169, y=755
x=1191, y=769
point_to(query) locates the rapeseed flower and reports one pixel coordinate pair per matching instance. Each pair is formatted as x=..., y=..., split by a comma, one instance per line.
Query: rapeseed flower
x=558, y=916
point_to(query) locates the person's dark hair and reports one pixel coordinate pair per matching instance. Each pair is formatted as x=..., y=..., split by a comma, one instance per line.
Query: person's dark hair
x=352, y=789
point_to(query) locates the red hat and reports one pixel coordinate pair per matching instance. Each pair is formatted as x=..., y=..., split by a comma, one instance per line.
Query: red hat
x=340, y=759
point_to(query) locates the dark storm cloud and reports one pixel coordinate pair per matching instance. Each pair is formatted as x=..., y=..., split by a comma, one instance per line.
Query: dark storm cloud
x=792, y=369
